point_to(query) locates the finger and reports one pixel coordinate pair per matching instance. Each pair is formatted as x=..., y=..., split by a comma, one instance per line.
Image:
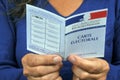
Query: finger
x=83, y=75
x=40, y=70
x=33, y=78
x=86, y=64
x=59, y=78
x=51, y=76
x=75, y=77
x=36, y=60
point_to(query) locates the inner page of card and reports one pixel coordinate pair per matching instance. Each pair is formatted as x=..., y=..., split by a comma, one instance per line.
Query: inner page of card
x=45, y=31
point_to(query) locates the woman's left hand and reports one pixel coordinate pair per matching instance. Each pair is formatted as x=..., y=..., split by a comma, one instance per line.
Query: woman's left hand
x=88, y=68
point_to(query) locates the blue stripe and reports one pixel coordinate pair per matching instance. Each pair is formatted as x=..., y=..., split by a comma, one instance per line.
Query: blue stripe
x=74, y=20
x=86, y=29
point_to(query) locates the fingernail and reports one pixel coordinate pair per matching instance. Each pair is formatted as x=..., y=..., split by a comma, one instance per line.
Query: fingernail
x=56, y=59
x=72, y=59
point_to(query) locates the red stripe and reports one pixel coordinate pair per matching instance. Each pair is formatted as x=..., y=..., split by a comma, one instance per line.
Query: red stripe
x=100, y=14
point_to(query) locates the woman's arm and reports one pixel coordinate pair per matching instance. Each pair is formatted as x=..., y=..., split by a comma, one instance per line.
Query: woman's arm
x=114, y=73
x=9, y=70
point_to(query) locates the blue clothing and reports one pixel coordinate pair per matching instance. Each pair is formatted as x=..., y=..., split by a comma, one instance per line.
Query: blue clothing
x=13, y=40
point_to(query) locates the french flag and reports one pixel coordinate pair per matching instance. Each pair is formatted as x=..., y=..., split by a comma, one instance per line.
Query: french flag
x=98, y=14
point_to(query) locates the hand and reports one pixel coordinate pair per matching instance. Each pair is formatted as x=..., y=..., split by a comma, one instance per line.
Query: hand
x=41, y=67
x=88, y=68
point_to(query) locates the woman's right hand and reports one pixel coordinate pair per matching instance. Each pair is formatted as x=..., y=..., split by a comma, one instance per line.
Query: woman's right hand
x=41, y=67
